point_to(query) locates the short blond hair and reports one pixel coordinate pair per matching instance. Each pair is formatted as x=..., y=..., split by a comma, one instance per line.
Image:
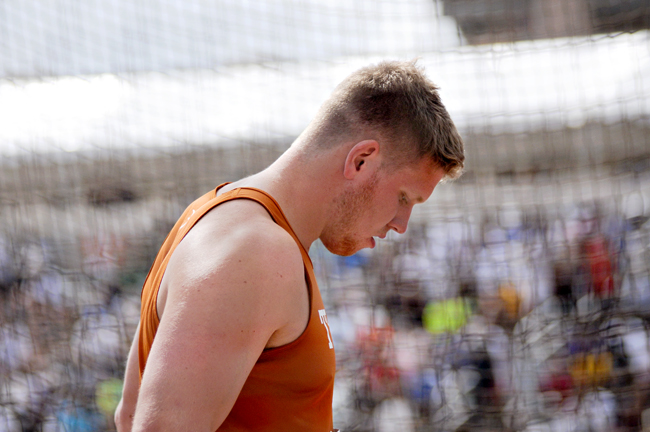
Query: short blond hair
x=401, y=104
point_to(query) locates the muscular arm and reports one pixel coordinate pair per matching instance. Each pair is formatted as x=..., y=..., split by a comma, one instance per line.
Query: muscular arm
x=126, y=408
x=224, y=304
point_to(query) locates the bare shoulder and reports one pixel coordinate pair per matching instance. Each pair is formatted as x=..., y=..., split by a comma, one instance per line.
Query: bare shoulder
x=241, y=229
x=230, y=290
x=237, y=253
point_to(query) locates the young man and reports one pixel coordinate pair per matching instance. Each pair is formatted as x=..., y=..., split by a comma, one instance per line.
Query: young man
x=233, y=334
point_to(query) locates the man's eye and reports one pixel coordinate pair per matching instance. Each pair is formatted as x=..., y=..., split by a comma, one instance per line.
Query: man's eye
x=404, y=199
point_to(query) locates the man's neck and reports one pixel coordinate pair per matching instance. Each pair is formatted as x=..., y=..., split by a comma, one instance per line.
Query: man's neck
x=304, y=187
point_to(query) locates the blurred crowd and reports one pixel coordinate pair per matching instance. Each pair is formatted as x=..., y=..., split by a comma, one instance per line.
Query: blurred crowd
x=517, y=320
x=510, y=319
x=64, y=334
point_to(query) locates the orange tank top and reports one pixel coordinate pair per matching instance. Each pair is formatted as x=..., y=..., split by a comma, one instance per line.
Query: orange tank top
x=290, y=387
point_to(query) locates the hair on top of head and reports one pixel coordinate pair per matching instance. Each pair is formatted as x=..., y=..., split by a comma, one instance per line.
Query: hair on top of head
x=396, y=101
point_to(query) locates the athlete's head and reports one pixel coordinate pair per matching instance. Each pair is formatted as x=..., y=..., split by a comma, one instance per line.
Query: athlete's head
x=399, y=143
x=395, y=102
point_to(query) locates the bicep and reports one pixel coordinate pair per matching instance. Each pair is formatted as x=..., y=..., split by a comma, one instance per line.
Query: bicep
x=212, y=332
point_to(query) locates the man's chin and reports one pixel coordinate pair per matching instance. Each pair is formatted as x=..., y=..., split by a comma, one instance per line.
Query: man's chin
x=347, y=253
x=343, y=248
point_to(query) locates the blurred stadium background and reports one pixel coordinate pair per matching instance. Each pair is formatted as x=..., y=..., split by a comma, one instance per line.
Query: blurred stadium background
x=519, y=298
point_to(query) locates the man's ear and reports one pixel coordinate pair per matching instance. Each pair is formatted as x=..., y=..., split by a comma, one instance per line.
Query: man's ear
x=362, y=157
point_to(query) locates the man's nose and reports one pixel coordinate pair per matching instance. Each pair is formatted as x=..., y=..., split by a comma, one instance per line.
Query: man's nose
x=400, y=221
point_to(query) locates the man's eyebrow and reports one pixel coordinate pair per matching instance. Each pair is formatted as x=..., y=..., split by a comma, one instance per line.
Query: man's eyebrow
x=418, y=198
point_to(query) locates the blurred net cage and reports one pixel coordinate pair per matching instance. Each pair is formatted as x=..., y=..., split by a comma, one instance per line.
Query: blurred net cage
x=518, y=299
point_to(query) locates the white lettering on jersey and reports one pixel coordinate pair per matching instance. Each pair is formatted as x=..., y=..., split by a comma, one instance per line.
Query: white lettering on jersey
x=323, y=320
